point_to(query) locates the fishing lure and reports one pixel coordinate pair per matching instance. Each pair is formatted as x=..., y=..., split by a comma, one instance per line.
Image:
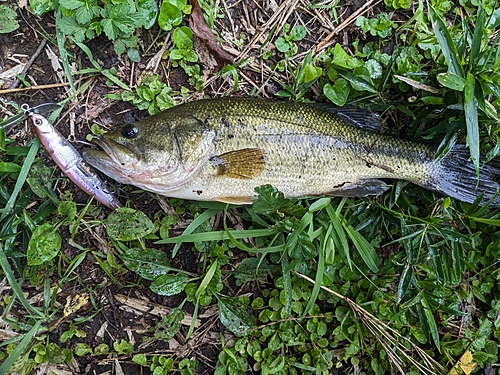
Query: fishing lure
x=67, y=158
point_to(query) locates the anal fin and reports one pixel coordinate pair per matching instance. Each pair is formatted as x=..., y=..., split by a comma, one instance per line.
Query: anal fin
x=360, y=188
x=236, y=200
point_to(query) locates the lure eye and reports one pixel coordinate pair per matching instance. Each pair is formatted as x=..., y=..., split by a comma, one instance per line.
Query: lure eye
x=37, y=122
x=130, y=131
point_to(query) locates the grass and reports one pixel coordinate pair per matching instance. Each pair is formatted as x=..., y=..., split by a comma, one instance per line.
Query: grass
x=300, y=286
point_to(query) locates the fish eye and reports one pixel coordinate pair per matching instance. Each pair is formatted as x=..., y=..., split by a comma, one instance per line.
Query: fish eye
x=129, y=131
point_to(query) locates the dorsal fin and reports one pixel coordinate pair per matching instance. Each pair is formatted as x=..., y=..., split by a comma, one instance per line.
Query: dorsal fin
x=353, y=115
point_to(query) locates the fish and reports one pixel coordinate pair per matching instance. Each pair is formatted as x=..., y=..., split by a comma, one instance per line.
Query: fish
x=222, y=149
x=69, y=160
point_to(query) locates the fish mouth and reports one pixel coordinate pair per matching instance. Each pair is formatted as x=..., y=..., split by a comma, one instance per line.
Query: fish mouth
x=111, y=156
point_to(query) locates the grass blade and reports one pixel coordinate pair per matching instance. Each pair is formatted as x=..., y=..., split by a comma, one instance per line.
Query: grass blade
x=62, y=51
x=446, y=43
x=319, y=274
x=287, y=285
x=404, y=282
x=20, y=348
x=338, y=236
x=16, y=290
x=35, y=145
x=428, y=322
x=475, y=46
x=364, y=248
x=206, y=280
x=104, y=72
x=191, y=227
x=217, y=236
x=472, y=120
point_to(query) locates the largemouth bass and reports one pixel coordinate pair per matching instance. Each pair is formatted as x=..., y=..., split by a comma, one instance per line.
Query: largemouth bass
x=221, y=149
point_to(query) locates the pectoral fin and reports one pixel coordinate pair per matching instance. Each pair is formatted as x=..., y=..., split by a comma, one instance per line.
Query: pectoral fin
x=359, y=188
x=245, y=164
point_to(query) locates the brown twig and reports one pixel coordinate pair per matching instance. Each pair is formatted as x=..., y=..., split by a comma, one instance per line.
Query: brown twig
x=37, y=87
x=326, y=42
x=30, y=62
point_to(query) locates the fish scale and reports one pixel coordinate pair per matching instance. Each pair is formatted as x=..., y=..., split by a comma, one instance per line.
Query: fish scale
x=221, y=149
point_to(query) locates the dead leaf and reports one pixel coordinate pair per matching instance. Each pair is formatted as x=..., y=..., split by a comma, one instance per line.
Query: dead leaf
x=73, y=304
x=465, y=364
x=201, y=30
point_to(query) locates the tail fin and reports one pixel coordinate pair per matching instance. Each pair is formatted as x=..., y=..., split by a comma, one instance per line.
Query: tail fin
x=457, y=177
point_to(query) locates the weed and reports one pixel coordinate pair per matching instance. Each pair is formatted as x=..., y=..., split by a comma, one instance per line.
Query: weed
x=182, y=55
x=380, y=25
x=286, y=44
x=8, y=21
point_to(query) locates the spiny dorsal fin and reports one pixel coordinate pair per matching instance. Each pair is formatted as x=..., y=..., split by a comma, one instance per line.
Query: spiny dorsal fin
x=246, y=163
x=353, y=115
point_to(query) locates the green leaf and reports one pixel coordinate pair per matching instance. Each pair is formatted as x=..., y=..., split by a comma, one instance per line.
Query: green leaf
x=282, y=45
x=7, y=167
x=44, y=244
x=451, y=80
x=101, y=349
x=374, y=68
x=251, y=269
x=40, y=7
x=82, y=349
x=71, y=4
x=298, y=33
x=149, y=11
x=21, y=178
x=39, y=180
x=338, y=93
x=434, y=100
x=67, y=209
x=168, y=327
x=133, y=55
x=311, y=72
x=109, y=28
x=206, y=280
x=170, y=16
x=70, y=26
x=339, y=237
x=341, y=58
x=123, y=347
x=148, y=263
x=8, y=21
x=127, y=224
x=234, y=316
x=169, y=285
x=87, y=12
x=140, y=359
x=359, y=83
x=183, y=37
x=472, y=120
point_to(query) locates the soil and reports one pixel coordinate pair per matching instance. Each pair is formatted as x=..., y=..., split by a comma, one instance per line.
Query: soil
x=115, y=319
